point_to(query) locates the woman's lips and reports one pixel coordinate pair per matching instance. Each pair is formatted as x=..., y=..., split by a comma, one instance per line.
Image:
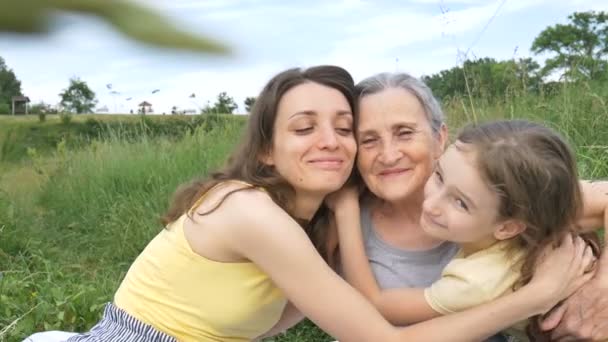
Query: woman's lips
x=393, y=172
x=327, y=163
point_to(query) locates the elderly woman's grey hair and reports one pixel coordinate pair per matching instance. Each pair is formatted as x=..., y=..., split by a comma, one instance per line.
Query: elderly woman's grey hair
x=386, y=80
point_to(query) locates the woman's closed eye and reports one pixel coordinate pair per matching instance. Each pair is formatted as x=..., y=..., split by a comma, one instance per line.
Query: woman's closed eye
x=404, y=133
x=303, y=130
x=344, y=130
x=368, y=140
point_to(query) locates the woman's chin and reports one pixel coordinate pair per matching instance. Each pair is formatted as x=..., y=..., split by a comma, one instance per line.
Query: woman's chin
x=395, y=195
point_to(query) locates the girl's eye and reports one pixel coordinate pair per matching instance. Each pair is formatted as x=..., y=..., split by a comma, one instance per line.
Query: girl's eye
x=439, y=177
x=303, y=130
x=461, y=204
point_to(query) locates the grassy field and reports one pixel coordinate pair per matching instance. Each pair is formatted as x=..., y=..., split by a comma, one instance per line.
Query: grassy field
x=73, y=217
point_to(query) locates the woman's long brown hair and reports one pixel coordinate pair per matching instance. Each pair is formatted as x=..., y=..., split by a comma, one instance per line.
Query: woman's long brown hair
x=245, y=165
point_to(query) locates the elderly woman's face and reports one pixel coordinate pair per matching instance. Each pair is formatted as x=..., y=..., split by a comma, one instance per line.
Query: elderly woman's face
x=397, y=148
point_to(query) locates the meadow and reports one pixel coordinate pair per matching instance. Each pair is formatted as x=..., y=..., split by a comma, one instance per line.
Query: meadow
x=77, y=206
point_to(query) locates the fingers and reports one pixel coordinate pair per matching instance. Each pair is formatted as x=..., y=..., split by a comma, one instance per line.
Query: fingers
x=581, y=332
x=580, y=281
x=584, y=258
x=600, y=332
x=567, y=241
x=589, y=260
x=552, y=318
x=574, y=248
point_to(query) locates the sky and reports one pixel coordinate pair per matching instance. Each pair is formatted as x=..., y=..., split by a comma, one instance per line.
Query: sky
x=420, y=37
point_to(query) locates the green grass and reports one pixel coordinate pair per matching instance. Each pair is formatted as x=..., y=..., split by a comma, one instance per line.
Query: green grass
x=73, y=217
x=20, y=135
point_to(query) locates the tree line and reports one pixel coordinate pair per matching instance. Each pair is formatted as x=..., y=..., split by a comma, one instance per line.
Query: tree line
x=577, y=50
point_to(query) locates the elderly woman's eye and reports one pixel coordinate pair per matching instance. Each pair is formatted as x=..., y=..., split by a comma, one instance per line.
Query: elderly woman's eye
x=405, y=133
x=368, y=140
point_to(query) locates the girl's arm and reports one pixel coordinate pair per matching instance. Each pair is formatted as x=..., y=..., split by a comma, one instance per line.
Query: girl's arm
x=256, y=229
x=595, y=206
x=399, y=306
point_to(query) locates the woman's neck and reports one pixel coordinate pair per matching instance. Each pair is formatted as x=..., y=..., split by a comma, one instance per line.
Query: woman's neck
x=474, y=247
x=408, y=210
x=398, y=224
x=306, y=205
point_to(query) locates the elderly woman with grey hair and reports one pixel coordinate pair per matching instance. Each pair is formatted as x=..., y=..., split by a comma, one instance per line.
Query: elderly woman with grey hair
x=401, y=133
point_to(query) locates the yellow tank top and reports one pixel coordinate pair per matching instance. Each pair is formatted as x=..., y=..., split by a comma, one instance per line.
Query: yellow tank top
x=193, y=298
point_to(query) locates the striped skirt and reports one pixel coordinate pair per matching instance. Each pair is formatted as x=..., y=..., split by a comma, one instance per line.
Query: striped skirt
x=118, y=326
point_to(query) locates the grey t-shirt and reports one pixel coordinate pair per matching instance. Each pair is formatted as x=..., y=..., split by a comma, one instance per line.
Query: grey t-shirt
x=395, y=267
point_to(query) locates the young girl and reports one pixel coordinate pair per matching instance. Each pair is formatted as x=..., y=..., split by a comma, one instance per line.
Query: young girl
x=503, y=191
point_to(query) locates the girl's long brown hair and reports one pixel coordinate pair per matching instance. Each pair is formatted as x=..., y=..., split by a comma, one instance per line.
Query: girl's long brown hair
x=245, y=165
x=533, y=170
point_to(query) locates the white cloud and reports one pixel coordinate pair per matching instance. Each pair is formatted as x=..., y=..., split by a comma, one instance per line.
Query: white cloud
x=197, y=4
x=270, y=36
x=443, y=2
x=381, y=34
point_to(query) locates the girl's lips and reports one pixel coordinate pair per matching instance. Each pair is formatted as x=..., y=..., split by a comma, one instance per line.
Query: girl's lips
x=432, y=221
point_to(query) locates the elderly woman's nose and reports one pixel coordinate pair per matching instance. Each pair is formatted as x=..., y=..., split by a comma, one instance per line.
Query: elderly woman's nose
x=390, y=154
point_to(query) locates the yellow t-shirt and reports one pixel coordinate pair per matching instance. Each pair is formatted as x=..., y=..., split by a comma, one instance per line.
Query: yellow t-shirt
x=479, y=278
x=193, y=298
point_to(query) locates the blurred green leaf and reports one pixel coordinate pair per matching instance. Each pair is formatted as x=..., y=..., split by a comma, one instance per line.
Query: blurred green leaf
x=135, y=21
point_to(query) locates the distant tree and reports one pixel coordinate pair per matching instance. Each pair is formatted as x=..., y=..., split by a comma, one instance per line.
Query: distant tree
x=528, y=73
x=9, y=86
x=78, y=97
x=249, y=101
x=485, y=77
x=223, y=105
x=42, y=108
x=579, y=49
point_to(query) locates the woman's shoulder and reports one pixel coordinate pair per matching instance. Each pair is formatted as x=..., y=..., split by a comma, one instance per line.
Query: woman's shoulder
x=233, y=206
x=229, y=194
x=230, y=216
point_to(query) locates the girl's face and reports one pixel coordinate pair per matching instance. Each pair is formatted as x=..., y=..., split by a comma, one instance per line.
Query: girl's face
x=313, y=146
x=397, y=147
x=458, y=205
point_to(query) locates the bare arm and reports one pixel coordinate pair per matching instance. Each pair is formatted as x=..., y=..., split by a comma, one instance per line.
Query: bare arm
x=257, y=229
x=399, y=306
x=583, y=315
x=595, y=205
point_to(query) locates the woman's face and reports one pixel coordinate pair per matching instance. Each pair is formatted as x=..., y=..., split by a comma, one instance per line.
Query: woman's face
x=397, y=148
x=313, y=146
